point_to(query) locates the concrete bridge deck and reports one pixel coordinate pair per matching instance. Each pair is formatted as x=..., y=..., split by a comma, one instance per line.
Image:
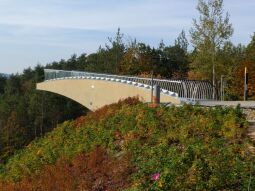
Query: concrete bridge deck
x=243, y=104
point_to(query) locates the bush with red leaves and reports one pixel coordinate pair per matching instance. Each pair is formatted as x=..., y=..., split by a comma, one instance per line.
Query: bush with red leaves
x=95, y=171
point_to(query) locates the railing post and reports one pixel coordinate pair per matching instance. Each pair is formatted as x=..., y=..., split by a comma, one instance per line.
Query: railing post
x=156, y=95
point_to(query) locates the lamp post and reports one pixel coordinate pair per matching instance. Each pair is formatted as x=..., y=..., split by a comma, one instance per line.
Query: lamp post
x=152, y=86
x=154, y=58
x=245, y=84
x=155, y=89
x=222, y=88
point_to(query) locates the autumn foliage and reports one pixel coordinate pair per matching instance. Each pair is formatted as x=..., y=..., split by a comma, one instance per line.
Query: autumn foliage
x=130, y=146
x=92, y=172
x=239, y=80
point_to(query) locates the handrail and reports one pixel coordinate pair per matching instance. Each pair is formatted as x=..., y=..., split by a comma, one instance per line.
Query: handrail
x=108, y=75
x=189, y=89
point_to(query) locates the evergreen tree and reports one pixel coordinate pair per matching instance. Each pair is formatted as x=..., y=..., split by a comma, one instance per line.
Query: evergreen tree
x=182, y=41
x=13, y=136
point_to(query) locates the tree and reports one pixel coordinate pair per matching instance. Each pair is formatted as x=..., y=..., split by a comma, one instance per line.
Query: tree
x=247, y=60
x=182, y=41
x=116, y=50
x=13, y=136
x=250, y=51
x=176, y=62
x=208, y=35
x=129, y=64
x=2, y=84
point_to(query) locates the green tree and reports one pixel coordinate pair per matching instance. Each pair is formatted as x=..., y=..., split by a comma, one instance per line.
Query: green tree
x=2, y=84
x=208, y=35
x=116, y=50
x=175, y=62
x=13, y=136
x=250, y=51
x=182, y=41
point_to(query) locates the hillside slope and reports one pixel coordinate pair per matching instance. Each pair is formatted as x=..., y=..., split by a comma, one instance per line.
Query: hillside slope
x=129, y=146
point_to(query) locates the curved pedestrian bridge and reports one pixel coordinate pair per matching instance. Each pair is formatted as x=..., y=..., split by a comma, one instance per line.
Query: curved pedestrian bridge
x=94, y=90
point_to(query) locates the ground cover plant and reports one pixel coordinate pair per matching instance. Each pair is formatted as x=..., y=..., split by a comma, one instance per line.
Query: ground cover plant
x=130, y=146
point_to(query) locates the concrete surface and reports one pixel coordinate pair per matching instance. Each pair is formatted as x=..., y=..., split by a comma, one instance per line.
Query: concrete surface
x=94, y=94
x=243, y=104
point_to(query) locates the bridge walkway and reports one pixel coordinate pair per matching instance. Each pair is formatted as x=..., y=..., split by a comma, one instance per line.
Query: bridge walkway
x=243, y=104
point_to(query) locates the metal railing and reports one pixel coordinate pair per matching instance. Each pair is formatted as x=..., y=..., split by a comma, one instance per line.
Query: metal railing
x=188, y=89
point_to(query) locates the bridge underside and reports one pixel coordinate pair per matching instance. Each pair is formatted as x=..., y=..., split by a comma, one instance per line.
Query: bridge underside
x=94, y=94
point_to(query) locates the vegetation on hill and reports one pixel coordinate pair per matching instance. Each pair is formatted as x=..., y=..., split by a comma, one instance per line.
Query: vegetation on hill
x=130, y=146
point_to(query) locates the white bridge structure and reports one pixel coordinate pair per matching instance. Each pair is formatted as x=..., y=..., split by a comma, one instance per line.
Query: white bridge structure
x=94, y=90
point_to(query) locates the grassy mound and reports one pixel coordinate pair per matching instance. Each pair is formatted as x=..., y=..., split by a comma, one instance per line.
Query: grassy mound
x=129, y=146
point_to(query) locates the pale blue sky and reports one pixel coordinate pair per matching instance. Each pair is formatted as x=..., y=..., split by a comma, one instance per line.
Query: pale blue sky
x=42, y=31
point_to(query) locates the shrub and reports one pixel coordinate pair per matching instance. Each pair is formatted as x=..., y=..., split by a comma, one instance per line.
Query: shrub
x=188, y=148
